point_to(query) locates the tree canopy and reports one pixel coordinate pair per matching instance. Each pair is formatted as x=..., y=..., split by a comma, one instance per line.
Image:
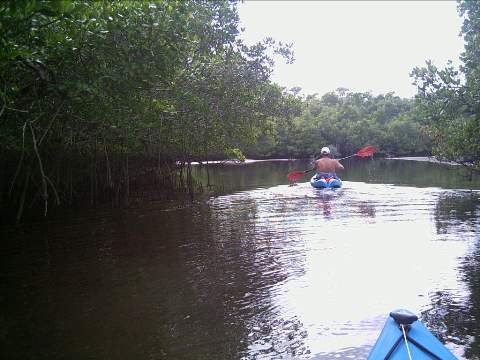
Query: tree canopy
x=87, y=86
x=348, y=121
x=449, y=99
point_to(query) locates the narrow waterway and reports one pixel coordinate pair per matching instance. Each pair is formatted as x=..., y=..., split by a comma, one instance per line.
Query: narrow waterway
x=263, y=271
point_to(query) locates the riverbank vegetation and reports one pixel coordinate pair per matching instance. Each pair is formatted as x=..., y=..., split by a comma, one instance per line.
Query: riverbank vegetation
x=448, y=99
x=108, y=101
x=348, y=121
x=100, y=100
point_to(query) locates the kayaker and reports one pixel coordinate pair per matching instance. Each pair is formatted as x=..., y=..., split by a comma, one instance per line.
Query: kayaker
x=327, y=167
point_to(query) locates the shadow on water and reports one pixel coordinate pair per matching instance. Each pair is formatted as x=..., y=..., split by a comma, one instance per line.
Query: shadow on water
x=263, y=270
x=454, y=318
x=189, y=283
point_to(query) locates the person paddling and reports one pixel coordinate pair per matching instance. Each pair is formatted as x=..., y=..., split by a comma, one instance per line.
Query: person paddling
x=327, y=167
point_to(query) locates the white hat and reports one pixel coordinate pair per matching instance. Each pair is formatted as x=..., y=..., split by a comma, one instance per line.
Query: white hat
x=325, y=151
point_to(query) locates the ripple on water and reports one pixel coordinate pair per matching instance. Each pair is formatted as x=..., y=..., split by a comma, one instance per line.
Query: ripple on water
x=343, y=259
x=284, y=272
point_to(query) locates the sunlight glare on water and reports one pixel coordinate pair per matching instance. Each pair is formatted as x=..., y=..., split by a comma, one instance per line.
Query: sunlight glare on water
x=349, y=257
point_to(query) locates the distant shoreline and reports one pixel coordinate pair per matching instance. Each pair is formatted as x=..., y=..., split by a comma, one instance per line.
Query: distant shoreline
x=423, y=158
x=250, y=161
x=236, y=162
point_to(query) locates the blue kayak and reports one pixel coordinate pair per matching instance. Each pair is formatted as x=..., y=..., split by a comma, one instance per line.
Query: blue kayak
x=405, y=337
x=322, y=182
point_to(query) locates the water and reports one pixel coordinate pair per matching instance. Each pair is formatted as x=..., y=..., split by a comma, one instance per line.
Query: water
x=263, y=271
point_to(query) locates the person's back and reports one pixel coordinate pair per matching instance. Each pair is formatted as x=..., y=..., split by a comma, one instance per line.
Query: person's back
x=325, y=166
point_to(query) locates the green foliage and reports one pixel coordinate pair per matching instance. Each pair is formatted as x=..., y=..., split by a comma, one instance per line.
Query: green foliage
x=349, y=121
x=449, y=99
x=100, y=82
x=235, y=154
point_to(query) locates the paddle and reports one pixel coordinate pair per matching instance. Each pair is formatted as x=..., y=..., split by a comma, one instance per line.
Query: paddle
x=363, y=152
x=297, y=175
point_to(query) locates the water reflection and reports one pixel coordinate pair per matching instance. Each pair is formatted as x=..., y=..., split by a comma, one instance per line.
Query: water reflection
x=351, y=257
x=457, y=210
x=267, y=271
x=326, y=199
x=454, y=317
x=273, y=253
x=414, y=173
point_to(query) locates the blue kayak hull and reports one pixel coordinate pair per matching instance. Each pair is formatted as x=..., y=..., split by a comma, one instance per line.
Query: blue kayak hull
x=422, y=344
x=322, y=183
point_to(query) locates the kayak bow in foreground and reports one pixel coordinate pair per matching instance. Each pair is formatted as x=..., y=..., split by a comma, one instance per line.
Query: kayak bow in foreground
x=405, y=337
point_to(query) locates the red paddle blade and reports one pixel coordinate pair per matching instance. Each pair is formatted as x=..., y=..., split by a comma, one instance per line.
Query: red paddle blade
x=296, y=175
x=366, y=151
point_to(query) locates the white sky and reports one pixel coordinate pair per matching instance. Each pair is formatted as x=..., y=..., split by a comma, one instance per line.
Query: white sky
x=360, y=45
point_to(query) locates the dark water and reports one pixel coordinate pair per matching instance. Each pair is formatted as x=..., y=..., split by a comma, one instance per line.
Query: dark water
x=263, y=271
